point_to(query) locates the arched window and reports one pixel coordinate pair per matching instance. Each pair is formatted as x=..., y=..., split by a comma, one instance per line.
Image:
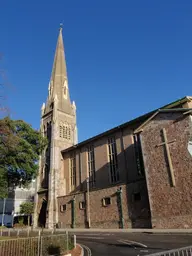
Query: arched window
x=49, y=132
x=44, y=131
x=65, y=131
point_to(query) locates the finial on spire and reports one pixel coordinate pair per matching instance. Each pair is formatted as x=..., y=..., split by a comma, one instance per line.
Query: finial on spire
x=61, y=26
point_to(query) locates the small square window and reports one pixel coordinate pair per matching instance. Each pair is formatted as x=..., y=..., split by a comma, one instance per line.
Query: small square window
x=106, y=201
x=137, y=196
x=82, y=205
x=63, y=208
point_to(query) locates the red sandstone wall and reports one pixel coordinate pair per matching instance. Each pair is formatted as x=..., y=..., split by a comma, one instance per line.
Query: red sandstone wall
x=136, y=214
x=171, y=207
x=100, y=216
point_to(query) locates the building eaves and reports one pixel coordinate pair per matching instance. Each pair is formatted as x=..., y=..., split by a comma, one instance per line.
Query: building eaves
x=131, y=122
x=184, y=110
x=178, y=102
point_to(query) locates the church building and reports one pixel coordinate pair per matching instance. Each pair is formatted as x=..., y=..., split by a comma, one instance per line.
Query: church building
x=136, y=175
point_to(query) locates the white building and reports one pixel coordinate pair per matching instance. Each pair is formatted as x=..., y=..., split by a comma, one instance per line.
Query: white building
x=10, y=207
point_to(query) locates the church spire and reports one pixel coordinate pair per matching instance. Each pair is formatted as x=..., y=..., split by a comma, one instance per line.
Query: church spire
x=58, y=123
x=59, y=65
x=58, y=83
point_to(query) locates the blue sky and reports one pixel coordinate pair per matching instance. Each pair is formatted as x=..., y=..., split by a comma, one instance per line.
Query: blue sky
x=124, y=58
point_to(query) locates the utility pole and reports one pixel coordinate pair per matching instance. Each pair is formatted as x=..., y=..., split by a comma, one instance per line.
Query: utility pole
x=3, y=216
x=12, y=222
x=88, y=205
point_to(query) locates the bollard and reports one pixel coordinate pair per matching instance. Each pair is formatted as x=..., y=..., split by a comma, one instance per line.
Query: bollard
x=39, y=243
x=75, y=240
x=67, y=241
x=18, y=233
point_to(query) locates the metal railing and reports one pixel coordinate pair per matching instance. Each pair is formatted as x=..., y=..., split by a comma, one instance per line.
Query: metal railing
x=25, y=232
x=185, y=251
x=41, y=245
x=20, y=247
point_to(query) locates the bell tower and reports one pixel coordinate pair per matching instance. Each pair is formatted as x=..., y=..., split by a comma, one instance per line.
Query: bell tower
x=58, y=124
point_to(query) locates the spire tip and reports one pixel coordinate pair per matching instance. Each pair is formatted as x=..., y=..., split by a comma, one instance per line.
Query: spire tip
x=61, y=26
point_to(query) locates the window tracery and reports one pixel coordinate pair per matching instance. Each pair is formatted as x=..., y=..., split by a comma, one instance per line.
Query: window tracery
x=65, y=131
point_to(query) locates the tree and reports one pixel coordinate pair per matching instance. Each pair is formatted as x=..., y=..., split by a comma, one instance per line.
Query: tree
x=28, y=209
x=20, y=147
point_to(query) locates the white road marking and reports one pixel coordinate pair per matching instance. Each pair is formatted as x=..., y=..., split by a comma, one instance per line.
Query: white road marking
x=87, y=249
x=129, y=242
x=124, y=242
x=88, y=234
x=92, y=237
x=94, y=234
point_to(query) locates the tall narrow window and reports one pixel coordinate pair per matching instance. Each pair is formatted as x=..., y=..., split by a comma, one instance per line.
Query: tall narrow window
x=73, y=169
x=44, y=131
x=91, y=165
x=114, y=172
x=46, y=176
x=138, y=154
x=65, y=132
x=69, y=133
x=49, y=131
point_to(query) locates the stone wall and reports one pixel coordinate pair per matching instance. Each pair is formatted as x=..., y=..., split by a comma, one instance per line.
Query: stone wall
x=126, y=162
x=134, y=213
x=170, y=206
x=100, y=216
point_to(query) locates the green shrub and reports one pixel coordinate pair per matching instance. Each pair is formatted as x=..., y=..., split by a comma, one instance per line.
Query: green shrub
x=3, y=227
x=50, y=245
x=56, y=244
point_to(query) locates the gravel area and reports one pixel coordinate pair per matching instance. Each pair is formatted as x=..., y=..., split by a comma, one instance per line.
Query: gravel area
x=76, y=251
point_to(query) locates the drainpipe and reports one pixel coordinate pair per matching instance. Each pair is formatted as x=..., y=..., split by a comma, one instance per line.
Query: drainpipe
x=119, y=200
x=88, y=205
x=73, y=212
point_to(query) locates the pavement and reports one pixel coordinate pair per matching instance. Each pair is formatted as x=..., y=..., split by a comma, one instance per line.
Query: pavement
x=104, y=243
x=135, y=230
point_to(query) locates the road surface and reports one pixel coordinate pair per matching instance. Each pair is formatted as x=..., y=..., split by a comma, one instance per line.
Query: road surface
x=133, y=244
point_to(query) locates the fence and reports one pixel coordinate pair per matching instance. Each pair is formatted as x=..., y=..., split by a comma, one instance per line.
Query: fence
x=185, y=251
x=20, y=233
x=12, y=232
x=19, y=247
x=42, y=245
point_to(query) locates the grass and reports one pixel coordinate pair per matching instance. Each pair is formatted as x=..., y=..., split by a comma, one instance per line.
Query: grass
x=6, y=237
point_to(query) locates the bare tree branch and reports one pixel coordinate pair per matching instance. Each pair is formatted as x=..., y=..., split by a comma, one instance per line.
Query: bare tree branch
x=4, y=84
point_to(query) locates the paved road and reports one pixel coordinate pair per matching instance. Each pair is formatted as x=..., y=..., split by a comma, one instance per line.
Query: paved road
x=134, y=244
